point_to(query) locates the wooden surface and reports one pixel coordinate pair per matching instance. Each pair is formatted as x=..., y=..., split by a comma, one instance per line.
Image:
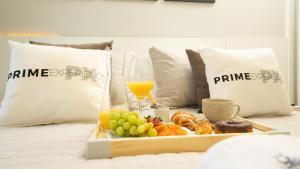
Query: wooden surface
x=164, y=144
x=114, y=147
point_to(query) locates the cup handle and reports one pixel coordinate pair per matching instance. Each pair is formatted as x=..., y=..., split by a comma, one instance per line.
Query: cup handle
x=237, y=110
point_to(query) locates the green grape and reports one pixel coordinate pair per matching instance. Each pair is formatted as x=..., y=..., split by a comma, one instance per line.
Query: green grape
x=132, y=119
x=140, y=121
x=127, y=133
x=147, y=126
x=125, y=116
x=152, y=132
x=151, y=125
x=126, y=125
x=121, y=122
x=120, y=131
x=116, y=116
x=141, y=129
x=135, y=113
x=133, y=131
x=113, y=124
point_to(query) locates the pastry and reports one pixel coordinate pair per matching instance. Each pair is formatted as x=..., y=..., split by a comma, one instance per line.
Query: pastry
x=233, y=126
x=203, y=127
x=184, y=119
x=170, y=129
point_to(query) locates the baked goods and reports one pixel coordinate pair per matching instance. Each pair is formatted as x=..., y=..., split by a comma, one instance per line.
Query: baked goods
x=233, y=126
x=203, y=127
x=188, y=120
x=170, y=129
x=184, y=119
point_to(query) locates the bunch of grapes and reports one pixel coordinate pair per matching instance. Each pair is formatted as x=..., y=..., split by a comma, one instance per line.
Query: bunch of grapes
x=129, y=124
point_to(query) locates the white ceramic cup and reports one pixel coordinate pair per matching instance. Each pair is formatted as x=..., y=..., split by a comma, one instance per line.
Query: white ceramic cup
x=219, y=109
x=163, y=113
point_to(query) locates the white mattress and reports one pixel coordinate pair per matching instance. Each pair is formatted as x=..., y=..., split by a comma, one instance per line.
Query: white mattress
x=63, y=147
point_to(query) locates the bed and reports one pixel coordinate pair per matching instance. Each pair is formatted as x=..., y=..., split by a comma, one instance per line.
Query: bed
x=63, y=146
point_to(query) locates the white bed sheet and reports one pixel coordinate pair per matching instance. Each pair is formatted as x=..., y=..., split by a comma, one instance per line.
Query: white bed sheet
x=289, y=123
x=63, y=147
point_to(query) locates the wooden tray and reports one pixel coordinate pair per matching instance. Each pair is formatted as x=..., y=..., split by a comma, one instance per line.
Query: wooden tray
x=102, y=146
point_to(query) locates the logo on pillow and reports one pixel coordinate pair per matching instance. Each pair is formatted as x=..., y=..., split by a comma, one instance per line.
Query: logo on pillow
x=264, y=75
x=67, y=73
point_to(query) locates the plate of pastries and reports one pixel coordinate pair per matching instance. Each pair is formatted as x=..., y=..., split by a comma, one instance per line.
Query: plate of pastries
x=201, y=126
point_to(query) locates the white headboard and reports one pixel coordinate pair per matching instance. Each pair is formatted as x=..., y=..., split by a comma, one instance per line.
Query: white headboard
x=142, y=44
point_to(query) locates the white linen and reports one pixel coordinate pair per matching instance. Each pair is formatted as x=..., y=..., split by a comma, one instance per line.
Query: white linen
x=63, y=147
x=268, y=152
x=286, y=123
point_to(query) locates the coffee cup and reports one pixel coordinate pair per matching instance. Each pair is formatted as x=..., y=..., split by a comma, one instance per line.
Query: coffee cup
x=219, y=109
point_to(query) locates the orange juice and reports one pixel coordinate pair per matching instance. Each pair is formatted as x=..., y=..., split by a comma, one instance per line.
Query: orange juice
x=140, y=89
x=104, y=118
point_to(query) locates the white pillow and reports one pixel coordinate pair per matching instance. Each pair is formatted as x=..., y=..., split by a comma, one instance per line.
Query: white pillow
x=174, y=79
x=49, y=84
x=249, y=77
x=253, y=152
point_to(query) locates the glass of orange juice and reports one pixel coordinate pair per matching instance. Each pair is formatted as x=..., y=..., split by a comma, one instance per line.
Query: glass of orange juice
x=140, y=81
x=140, y=89
x=104, y=118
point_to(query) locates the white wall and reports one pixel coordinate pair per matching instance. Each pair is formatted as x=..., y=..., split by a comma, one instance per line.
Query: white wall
x=225, y=18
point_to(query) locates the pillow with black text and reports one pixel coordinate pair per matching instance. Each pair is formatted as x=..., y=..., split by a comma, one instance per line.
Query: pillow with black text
x=49, y=84
x=249, y=77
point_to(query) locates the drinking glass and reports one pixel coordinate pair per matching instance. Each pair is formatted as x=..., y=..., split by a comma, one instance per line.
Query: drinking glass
x=140, y=81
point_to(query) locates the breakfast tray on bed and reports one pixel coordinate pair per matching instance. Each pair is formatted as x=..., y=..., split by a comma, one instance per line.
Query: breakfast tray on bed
x=102, y=145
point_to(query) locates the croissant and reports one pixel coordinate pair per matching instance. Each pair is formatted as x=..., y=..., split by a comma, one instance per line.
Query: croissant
x=184, y=119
